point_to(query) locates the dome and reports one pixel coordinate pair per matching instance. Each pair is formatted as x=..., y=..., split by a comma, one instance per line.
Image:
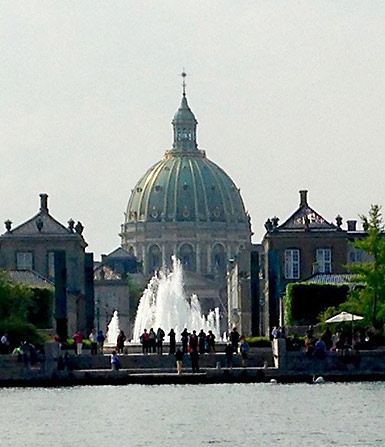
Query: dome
x=185, y=185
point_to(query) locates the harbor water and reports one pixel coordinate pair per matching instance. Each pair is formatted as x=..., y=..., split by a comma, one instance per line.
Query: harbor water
x=329, y=414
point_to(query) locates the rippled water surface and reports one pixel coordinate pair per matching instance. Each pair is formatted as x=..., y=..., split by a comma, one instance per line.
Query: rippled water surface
x=187, y=415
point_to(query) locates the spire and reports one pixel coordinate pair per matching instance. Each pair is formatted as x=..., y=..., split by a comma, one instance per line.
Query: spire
x=184, y=124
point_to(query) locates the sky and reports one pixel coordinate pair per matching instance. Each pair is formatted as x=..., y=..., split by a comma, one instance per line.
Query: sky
x=289, y=95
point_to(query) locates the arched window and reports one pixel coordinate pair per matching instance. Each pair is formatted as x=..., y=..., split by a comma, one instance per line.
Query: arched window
x=219, y=259
x=154, y=259
x=187, y=257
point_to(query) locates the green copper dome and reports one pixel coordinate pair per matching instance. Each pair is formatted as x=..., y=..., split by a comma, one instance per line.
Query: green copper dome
x=185, y=185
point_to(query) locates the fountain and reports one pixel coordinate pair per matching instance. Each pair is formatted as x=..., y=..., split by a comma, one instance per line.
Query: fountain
x=113, y=330
x=164, y=304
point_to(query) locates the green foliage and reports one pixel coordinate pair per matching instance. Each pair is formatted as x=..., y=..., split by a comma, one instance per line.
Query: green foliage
x=369, y=301
x=135, y=294
x=259, y=342
x=18, y=307
x=305, y=301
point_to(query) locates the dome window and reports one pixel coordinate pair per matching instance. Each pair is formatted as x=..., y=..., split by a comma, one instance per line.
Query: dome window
x=154, y=213
x=158, y=188
x=217, y=212
x=185, y=186
x=139, y=189
x=212, y=187
x=186, y=212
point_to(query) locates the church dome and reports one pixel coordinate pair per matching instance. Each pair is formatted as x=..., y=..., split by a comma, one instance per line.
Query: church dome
x=185, y=185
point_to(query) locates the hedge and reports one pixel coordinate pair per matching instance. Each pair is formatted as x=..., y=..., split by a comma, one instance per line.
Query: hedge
x=305, y=301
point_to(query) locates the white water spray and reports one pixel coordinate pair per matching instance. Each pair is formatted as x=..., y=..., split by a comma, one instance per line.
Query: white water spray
x=113, y=329
x=164, y=304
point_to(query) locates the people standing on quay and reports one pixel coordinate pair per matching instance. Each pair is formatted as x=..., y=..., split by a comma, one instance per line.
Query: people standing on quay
x=229, y=351
x=179, y=361
x=152, y=336
x=94, y=342
x=100, y=339
x=145, y=340
x=201, y=341
x=115, y=362
x=172, y=341
x=184, y=337
x=244, y=348
x=159, y=340
x=210, y=339
x=78, y=341
x=120, y=342
x=234, y=338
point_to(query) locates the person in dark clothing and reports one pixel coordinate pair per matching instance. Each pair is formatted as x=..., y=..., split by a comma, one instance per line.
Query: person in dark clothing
x=327, y=339
x=179, y=360
x=193, y=341
x=159, y=340
x=172, y=341
x=194, y=361
x=120, y=342
x=234, y=338
x=201, y=341
x=210, y=339
x=185, y=334
x=229, y=351
x=152, y=336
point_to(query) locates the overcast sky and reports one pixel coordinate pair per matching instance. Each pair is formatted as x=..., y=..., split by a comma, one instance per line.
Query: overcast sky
x=289, y=95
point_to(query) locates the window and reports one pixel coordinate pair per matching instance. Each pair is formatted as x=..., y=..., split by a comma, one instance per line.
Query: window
x=355, y=257
x=292, y=268
x=324, y=260
x=24, y=260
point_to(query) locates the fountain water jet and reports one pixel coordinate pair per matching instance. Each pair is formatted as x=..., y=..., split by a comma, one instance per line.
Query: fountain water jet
x=113, y=330
x=164, y=304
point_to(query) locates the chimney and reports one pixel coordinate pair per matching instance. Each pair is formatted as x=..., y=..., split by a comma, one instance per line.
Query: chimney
x=303, y=197
x=352, y=225
x=44, y=203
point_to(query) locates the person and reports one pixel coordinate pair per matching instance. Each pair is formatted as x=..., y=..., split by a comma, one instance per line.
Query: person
x=159, y=340
x=152, y=336
x=184, y=337
x=210, y=341
x=193, y=344
x=194, y=355
x=179, y=360
x=320, y=349
x=201, y=341
x=234, y=338
x=78, y=340
x=172, y=341
x=120, y=342
x=327, y=338
x=244, y=348
x=100, y=339
x=94, y=342
x=4, y=343
x=115, y=362
x=229, y=351
x=145, y=340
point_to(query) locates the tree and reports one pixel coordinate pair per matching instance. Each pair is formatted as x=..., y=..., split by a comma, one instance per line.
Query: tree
x=370, y=299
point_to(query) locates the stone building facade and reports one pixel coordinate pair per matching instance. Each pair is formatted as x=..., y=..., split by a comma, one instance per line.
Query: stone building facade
x=304, y=245
x=32, y=246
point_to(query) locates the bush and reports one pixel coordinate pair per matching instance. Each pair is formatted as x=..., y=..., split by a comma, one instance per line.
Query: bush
x=259, y=342
x=19, y=331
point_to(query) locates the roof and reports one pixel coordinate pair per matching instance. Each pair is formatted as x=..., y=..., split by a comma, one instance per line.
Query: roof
x=185, y=185
x=120, y=252
x=325, y=278
x=30, y=278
